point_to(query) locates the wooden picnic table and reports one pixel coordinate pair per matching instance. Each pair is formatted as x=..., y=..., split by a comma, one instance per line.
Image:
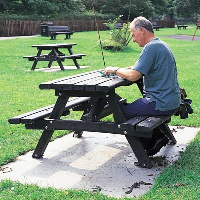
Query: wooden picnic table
x=54, y=54
x=96, y=96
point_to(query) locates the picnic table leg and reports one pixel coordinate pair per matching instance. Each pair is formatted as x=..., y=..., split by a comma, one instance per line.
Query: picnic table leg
x=76, y=63
x=74, y=59
x=53, y=54
x=61, y=65
x=78, y=134
x=50, y=63
x=139, y=151
x=133, y=141
x=46, y=135
x=53, y=37
x=67, y=36
x=166, y=130
x=34, y=64
x=36, y=61
x=97, y=105
x=115, y=107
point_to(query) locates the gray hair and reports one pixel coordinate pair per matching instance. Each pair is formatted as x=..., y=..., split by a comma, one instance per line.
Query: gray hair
x=142, y=22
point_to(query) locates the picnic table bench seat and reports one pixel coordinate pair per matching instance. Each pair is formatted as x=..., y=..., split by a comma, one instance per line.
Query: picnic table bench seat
x=77, y=56
x=33, y=57
x=140, y=126
x=56, y=30
x=41, y=113
x=74, y=103
x=58, y=58
x=146, y=124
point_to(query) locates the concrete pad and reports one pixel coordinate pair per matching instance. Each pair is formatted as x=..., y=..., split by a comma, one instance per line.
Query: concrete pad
x=57, y=68
x=97, y=161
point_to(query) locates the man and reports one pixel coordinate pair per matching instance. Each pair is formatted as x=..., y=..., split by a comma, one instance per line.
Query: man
x=157, y=66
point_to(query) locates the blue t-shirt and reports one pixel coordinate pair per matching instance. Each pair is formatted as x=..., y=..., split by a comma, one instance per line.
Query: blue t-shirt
x=158, y=66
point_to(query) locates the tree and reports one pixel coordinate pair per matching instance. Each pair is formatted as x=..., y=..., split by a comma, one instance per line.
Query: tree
x=183, y=8
x=170, y=9
x=122, y=7
x=3, y=5
x=159, y=7
x=187, y=8
x=146, y=8
x=42, y=7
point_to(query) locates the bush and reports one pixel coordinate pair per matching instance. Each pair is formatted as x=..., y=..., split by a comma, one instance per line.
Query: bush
x=120, y=37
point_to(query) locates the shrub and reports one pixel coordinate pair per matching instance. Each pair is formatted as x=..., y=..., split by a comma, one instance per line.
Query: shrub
x=61, y=16
x=120, y=37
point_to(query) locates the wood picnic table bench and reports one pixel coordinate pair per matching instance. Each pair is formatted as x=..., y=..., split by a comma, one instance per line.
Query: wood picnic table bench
x=54, y=54
x=181, y=25
x=198, y=25
x=57, y=30
x=119, y=26
x=156, y=26
x=96, y=96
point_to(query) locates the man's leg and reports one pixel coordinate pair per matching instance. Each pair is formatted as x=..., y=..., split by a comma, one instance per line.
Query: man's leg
x=143, y=107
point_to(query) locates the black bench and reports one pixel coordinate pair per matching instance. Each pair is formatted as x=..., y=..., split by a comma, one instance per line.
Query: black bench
x=181, y=25
x=156, y=26
x=58, y=58
x=74, y=56
x=118, y=26
x=198, y=25
x=41, y=113
x=146, y=124
x=32, y=58
x=57, y=30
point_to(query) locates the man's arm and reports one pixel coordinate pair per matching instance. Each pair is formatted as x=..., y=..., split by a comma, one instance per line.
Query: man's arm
x=126, y=73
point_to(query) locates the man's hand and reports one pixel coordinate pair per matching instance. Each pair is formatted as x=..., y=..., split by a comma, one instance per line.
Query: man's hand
x=110, y=70
x=126, y=73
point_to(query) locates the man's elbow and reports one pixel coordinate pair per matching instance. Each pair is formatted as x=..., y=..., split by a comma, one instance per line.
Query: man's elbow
x=135, y=76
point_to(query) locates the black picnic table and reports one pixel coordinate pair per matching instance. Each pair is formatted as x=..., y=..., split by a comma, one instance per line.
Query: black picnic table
x=96, y=96
x=54, y=54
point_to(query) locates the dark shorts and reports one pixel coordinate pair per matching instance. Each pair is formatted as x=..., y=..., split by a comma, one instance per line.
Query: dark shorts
x=143, y=107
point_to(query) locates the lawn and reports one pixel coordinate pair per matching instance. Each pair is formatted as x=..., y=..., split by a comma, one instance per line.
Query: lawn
x=20, y=93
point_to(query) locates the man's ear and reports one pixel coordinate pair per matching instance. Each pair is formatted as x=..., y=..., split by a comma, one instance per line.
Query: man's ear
x=142, y=29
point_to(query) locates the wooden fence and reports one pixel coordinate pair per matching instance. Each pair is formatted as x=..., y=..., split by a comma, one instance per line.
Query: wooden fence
x=166, y=23
x=27, y=27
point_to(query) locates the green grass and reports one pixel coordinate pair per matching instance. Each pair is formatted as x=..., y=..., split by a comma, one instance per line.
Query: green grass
x=20, y=93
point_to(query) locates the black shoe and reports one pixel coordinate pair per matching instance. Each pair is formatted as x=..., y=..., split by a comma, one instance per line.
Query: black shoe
x=157, y=146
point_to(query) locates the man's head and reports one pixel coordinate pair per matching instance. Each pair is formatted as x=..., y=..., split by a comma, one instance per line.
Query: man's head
x=141, y=30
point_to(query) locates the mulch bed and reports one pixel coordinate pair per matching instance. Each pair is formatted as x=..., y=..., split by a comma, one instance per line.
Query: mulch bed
x=183, y=37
